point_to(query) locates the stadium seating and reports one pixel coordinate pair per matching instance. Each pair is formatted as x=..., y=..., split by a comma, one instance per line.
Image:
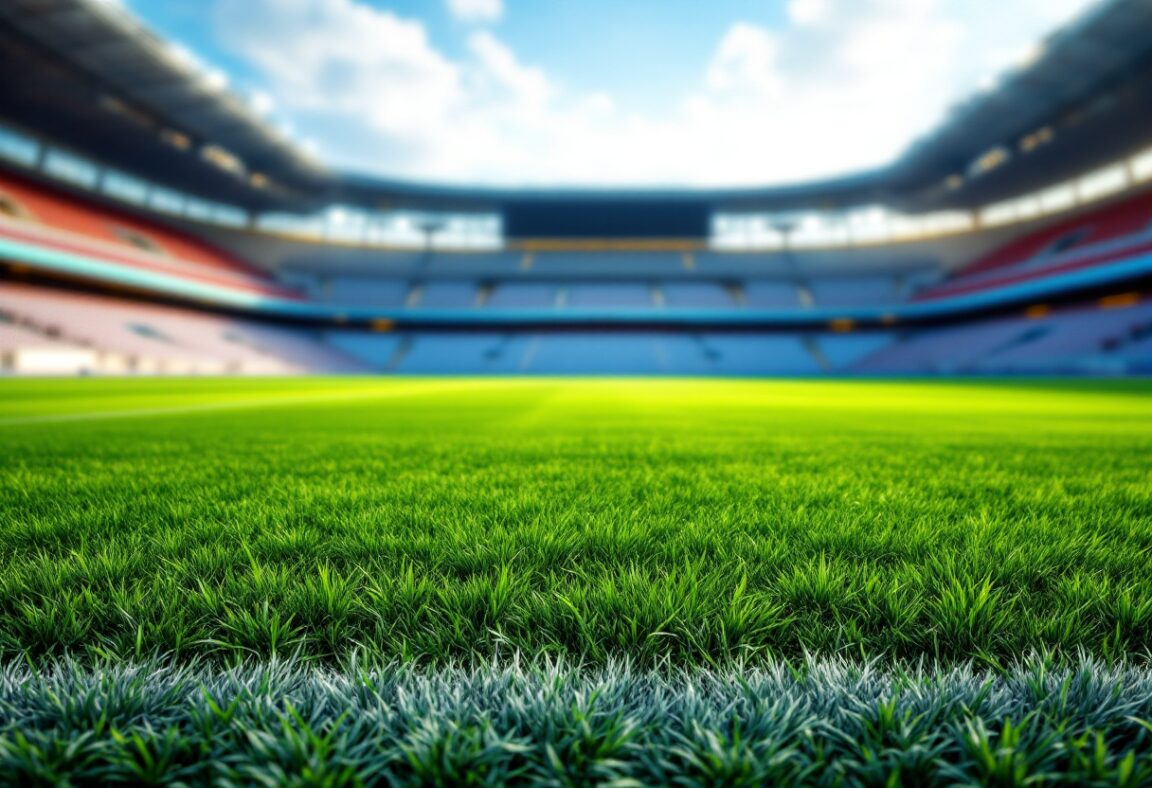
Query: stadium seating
x=580, y=353
x=38, y=215
x=52, y=331
x=1109, y=235
x=444, y=295
x=760, y=354
x=855, y=291
x=523, y=295
x=469, y=353
x=1081, y=340
x=478, y=264
x=842, y=352
x=771, y=294
x=1071, y=341
x=364, y=291
x=944, y=351
x=145, y=338
x=607, y=263
x=609, y=295
x=577, y=353
x=697, y=295
x=1106, y=224
x=28, y=352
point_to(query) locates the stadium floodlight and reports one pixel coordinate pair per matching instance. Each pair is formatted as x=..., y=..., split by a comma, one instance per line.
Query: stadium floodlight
x=786, y=226
x=215, y=79
x=429, y=227
x=1029, y=57
x=261, y=102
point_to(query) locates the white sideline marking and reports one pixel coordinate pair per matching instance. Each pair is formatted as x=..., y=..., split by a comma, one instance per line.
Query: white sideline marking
x=238, y=404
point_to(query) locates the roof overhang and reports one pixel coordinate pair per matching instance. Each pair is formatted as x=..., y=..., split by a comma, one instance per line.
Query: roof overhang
x=97, y=81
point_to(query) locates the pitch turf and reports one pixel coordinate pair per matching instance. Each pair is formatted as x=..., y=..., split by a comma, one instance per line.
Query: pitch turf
x=690, y=523
x=342, y=582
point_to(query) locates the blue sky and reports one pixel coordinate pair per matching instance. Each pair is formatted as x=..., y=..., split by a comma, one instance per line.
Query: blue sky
x=607, y=92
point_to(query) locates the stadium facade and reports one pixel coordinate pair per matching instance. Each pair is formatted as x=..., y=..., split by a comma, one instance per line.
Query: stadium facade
x=151, y=222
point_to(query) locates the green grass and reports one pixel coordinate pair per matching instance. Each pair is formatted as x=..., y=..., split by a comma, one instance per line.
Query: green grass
x=826, y=722
x=692, y=523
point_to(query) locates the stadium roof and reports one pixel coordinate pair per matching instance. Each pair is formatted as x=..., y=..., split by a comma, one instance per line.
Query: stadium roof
x=97, y=81
x=1096, y=74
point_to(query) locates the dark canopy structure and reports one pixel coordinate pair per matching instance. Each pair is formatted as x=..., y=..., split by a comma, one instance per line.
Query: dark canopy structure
x=93, y=80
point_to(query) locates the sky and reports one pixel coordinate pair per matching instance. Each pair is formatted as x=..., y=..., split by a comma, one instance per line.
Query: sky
x=606, y=92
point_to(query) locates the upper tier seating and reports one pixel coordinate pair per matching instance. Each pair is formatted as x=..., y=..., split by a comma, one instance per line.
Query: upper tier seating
x=365, y=291
x=35, y=213
x=523, y=295
x=607, y=263
x=446, y=295
x=609, y=295
x=1107, y=235
x=696, y=295
x=771, y=294
x=854, y=291
x=473, y=263
x=1106, y=224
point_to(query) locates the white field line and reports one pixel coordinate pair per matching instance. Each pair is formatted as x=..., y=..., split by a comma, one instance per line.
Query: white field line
x=238, y=404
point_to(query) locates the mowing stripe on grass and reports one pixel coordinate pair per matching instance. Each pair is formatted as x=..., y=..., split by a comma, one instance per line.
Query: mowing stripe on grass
x=135, y=413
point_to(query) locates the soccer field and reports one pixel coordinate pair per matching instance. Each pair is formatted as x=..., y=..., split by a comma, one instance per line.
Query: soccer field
x=437, y=524
x=694, y=521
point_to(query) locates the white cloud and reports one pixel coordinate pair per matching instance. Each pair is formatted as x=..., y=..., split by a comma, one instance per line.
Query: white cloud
x=476, y=10
x=497, y=65
x=746, y=59
x=844, y=87
x=808, y=12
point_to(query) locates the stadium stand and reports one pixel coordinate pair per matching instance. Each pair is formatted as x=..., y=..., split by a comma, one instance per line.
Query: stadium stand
x=627, y=354
x=771, y=295
x=608, y=295
x=607, y=263
x=26, y=351
x=697, y=295
x=131, y=337
x=443, y=295
x=944, y=351
x=1111, y=235
x=760, y=354
x=364, y=291
x=842, y=352
x=1125, y=218
x=523, y=295
x=41, y=216
x=454, y=353
x=835, y=291
x=1075, y=340
x=473, y=264
x=935, y=265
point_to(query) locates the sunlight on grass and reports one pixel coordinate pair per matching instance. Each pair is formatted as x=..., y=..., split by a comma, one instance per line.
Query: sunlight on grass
x=698, y=522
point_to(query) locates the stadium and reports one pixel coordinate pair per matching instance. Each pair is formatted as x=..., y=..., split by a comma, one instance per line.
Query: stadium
x=321, y=476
